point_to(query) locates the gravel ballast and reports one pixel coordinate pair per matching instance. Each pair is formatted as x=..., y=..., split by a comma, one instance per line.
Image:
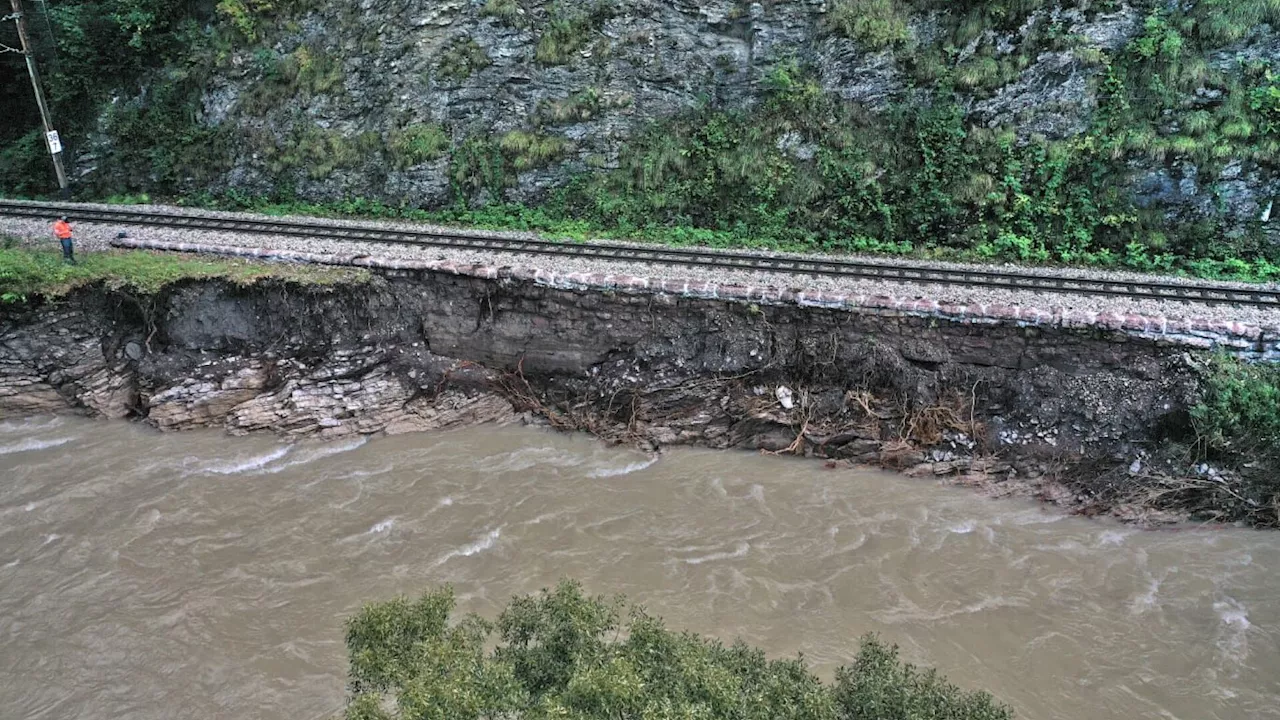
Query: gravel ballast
x=92, y=236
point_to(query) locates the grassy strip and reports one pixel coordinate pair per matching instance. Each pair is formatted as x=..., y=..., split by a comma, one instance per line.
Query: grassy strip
x=558, y=222
x=26, y=273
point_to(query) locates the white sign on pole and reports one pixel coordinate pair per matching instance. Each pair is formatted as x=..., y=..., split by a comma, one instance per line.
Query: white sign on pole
x=55, y=142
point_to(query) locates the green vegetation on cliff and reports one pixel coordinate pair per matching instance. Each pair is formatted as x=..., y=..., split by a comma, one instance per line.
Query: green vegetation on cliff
x=1177, y=103
x=1237, y=422
x=563, y=654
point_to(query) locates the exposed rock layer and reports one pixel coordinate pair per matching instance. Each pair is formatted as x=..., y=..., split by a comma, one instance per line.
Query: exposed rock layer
x=419, y=350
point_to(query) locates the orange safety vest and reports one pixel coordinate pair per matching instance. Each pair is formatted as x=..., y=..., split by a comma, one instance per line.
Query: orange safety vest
x=62, y=230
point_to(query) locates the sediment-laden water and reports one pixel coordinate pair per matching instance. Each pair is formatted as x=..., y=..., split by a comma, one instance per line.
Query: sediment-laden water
x=202, y=576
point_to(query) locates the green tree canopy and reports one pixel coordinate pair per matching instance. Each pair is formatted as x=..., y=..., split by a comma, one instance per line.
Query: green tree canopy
x=564, y=654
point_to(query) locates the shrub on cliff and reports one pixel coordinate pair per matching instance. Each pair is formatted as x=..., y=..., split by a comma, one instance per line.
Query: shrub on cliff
x=1238, y=420
x=1240, y=409
x=563, y=654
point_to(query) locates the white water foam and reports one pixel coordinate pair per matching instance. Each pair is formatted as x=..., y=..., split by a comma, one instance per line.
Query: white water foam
x=12, y=563
x=1147, y=600
x=963, y=528
x=153, y=518
x=626, y=470
x=1234, y=616
x=488, y=541
x=909, y=612
x=851, y=546
x=319, y=453
x=1032, y=517
x=526, y=458
x=445, y=502
x=480, y=545
x=250, y=464
x=1112, y=537
x=360, y=474
x=32, y=444
x=740, y=551
x=381, y=527
x=543, y=518
x=30, y=425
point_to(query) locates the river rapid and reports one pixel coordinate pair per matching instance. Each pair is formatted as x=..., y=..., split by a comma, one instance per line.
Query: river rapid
x=145, y=575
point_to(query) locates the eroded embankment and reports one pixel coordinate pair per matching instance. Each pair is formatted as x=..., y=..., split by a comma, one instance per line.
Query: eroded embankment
x=1078, y=415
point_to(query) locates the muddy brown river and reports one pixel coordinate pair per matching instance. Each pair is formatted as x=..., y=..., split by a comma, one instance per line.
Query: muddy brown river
x=202, y=576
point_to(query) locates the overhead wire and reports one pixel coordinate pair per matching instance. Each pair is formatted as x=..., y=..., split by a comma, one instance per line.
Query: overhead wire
x=48, y=24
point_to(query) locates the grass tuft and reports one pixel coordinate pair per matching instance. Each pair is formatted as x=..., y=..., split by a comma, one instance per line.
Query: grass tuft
x=877, y=24
x=507, y=12
x=417, y=144
x=529, y=150
x=569, y=30
x=461, y=59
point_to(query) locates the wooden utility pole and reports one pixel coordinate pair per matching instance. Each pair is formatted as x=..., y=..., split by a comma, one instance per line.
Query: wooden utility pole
x=51, y=139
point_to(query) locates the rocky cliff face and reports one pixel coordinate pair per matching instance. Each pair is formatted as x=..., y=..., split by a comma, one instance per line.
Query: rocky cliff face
x=421, y=103
x=982, y=404
x=616, y=68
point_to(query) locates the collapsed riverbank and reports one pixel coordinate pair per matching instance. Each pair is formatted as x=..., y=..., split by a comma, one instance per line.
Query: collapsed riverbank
x=1090, y=413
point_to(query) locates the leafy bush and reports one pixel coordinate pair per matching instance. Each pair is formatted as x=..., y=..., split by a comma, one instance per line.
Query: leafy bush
x=485, y=166
x=1264, y=99
x=25, y=166
x=1240, y=410
x=1158, y=39
x=244, y=14
x=563, y=654
x=158, y=144
x=879, y=686
x=478, y=165
x=1237, y=421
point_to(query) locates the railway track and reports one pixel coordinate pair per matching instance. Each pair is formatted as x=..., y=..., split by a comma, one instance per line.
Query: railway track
x=1263, y=297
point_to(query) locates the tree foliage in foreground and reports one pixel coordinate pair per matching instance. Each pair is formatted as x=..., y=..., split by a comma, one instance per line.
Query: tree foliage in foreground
x=563, y=654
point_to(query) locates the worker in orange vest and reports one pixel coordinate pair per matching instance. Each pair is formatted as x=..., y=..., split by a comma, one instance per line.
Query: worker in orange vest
x=62, y=231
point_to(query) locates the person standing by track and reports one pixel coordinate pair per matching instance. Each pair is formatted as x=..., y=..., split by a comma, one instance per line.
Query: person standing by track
x=62, y=231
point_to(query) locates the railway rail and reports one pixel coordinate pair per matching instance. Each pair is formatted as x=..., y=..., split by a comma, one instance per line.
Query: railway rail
x=1208, y=293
